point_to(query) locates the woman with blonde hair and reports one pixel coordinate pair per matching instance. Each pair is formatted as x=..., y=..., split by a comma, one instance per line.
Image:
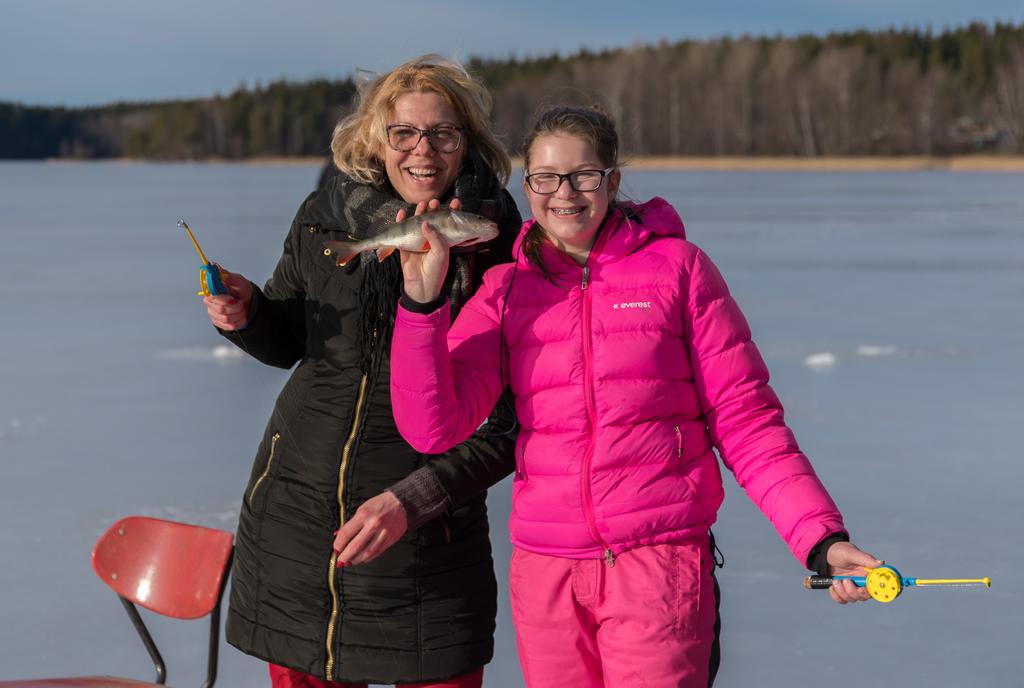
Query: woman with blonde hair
x=358, y=561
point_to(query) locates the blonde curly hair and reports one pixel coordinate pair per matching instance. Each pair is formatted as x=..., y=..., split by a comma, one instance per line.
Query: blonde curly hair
x=359, y=138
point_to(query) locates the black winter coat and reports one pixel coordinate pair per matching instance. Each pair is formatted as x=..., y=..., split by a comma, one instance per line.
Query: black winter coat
x=425, y=609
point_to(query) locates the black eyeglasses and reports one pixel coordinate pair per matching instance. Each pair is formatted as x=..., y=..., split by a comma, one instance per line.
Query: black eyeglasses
x=580, y=180
x=404, y=137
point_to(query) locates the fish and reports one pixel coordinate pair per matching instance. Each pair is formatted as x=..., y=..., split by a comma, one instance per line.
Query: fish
x=459, y=228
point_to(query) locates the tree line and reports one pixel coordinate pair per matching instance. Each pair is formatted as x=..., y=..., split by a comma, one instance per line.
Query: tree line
x=893, y=92
x=280, y=119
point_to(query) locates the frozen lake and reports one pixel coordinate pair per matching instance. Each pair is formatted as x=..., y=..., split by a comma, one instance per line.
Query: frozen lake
x=889, y=306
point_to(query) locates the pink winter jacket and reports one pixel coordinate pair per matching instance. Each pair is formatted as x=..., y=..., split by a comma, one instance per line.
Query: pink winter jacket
x=626, y=373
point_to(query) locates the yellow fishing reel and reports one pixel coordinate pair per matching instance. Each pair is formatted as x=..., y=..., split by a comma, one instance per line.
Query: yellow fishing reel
x=884, y=583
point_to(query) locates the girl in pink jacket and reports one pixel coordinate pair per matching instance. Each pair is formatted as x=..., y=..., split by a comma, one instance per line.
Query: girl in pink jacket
x=629, y=364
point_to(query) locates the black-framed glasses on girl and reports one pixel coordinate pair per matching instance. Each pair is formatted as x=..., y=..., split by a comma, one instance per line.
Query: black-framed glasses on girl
x=581, y=180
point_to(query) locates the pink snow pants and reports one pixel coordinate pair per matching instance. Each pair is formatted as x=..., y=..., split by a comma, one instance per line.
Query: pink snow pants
x=649, y=620
x=282, y=677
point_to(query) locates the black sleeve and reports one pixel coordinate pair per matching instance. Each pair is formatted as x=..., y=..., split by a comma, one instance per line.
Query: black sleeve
x=413, y=306
x=816, y=558
x=276, y=331
x=422, y=497
x=484, y=459
x=465, y=471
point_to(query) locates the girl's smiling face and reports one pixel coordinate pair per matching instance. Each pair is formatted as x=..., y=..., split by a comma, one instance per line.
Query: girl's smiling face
x=570, y=219
x=422, y=173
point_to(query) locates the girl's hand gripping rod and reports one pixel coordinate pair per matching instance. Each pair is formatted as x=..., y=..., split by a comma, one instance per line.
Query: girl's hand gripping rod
x=211, y=282
x=885, y=583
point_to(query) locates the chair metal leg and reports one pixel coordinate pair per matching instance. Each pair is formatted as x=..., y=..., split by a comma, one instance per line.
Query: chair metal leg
x=147, y=640
x=211, y=662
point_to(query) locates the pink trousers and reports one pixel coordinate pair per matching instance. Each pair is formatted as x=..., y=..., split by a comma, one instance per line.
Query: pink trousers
x=648, y=620
x=281, y=677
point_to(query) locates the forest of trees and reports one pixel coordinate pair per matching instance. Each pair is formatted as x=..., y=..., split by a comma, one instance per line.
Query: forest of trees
x=895, y=92
x=281, y=119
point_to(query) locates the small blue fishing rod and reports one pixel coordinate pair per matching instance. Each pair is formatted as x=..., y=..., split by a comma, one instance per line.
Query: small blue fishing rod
x=885, y=583
x=211, y=277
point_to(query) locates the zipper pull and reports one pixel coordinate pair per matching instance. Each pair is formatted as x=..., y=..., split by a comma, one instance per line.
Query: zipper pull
x=586, y=277
x=609, y=557
x=521, y=463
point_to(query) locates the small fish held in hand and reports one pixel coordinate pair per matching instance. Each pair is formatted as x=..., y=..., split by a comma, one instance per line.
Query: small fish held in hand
x=457, y=227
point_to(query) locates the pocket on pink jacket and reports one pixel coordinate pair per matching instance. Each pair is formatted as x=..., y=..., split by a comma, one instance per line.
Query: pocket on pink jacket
x=687, y=581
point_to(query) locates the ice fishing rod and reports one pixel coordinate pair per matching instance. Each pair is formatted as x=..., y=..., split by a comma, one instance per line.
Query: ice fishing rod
x=211, y=282
x=884, y=583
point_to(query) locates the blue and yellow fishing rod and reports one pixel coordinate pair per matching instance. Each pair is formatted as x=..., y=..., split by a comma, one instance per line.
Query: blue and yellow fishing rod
x=211, y=277
x=884, y=583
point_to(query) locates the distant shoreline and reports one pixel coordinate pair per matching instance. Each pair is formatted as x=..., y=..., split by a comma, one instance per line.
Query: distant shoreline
x=955, y=163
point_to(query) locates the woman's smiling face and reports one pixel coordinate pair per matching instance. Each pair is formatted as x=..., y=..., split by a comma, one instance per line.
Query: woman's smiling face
x=422, y=173
x=569, y=218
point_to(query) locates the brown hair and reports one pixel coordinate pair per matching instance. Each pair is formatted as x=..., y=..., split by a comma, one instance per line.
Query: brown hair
x=591, y=124
x=359, y=137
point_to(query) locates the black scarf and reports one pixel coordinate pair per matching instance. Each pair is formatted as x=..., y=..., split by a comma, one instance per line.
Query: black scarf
x=367, y=210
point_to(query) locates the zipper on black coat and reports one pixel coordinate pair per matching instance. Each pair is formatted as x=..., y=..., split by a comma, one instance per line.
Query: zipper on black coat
x=350, y=450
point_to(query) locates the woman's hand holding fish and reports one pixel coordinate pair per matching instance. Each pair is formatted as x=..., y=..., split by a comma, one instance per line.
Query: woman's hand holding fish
x=230, y=312
x=425, y=272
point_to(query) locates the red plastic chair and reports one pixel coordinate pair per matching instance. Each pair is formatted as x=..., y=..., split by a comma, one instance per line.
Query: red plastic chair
x=174, y=569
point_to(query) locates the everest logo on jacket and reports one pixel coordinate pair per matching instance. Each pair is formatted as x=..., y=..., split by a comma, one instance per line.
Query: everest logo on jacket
x=625, y=305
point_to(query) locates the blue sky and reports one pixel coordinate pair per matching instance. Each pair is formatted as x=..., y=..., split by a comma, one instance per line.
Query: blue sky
x=87, y=52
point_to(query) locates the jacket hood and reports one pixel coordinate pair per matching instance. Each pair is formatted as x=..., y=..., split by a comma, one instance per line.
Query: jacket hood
x=627, y=228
